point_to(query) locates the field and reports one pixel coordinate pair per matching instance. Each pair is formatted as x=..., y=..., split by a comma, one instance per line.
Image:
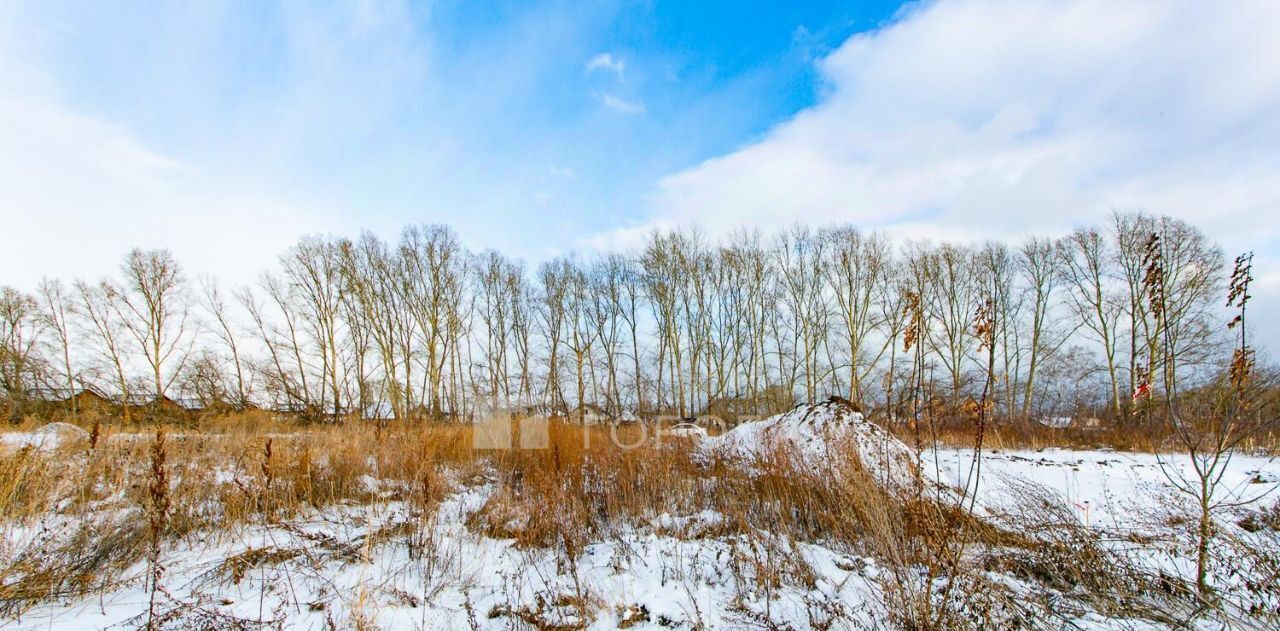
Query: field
x=814, y=519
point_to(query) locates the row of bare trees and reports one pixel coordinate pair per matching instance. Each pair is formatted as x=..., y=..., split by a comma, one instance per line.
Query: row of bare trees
x=421, y=327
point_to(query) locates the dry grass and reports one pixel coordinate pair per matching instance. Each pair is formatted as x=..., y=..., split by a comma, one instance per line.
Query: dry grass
x=219, y=477
x=245, y=469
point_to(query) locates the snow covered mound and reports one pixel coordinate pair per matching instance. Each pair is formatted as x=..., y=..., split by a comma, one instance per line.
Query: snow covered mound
x=47, y=437
x=819, y=434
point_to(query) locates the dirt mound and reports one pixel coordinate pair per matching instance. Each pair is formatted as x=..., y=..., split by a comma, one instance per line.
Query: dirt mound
x=818, y=433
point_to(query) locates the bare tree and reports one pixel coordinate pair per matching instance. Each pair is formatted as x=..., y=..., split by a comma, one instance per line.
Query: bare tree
x=729, y=338
x=290, y=367
x=492, y=274
x=20, y=329
x=216, y=306
x=553, y=316
x=894, y=315
x=313, y=269
x=951, y=299
x=662, y=279
x=433, y=281
x=579, y=336
x=523, y=300
x=800, y=255
x=755, y=266
x=1041, y=272
x=1001, y=308
x=1130, y=232
x=422, y=328
x=373, y=290
x=1193, y=279
x=606, y=309
x=58, y=308
x=153, y=308
x=855, y=269
x=104, y=325
x=698, y=270
x=361, y=331
x=1089, y=278
x=917, y=279
x=630, y=297
x=1212, y=424
x=205, y=380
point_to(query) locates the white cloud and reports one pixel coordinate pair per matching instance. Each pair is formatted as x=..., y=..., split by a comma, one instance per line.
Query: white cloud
x=104, y=148
x=622, y=106
x=624, y=239
x=606, y=61
x=1021, y=115
x=82, y=192
x=996, y=118
x=77, y=191
x=307, y=120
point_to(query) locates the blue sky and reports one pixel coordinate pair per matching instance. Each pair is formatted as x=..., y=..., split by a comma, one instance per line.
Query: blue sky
x=519, y=123
x=226, y=130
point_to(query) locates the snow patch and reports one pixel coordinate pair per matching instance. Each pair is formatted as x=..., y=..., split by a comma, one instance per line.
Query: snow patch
x=46, y=438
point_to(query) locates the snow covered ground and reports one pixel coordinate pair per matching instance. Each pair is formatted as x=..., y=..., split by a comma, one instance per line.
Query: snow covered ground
x=1106, y=488
x=638, y=578
x=385, y=564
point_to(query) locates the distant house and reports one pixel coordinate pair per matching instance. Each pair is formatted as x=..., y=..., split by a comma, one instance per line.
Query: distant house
x=88, y=399
x=589, y=414
x=134, y=400
x=164, y=403
x=149, y=403
x=189, y=404
x=79, y=399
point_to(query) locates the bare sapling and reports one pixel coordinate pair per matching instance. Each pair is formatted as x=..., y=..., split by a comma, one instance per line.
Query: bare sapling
x=1212, y=426
x=984, y=329
x=911, y=339
x=954, y=539
x=938, y=594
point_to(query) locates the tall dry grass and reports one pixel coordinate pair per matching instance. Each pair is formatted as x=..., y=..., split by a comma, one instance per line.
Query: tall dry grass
x=124, y=499
x=586, y=486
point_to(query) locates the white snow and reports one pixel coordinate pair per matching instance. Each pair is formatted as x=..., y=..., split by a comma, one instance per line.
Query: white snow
x=818, y=434
x=330, y=572
x=337, y=564
x=45, y=438
x=1106, y=488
